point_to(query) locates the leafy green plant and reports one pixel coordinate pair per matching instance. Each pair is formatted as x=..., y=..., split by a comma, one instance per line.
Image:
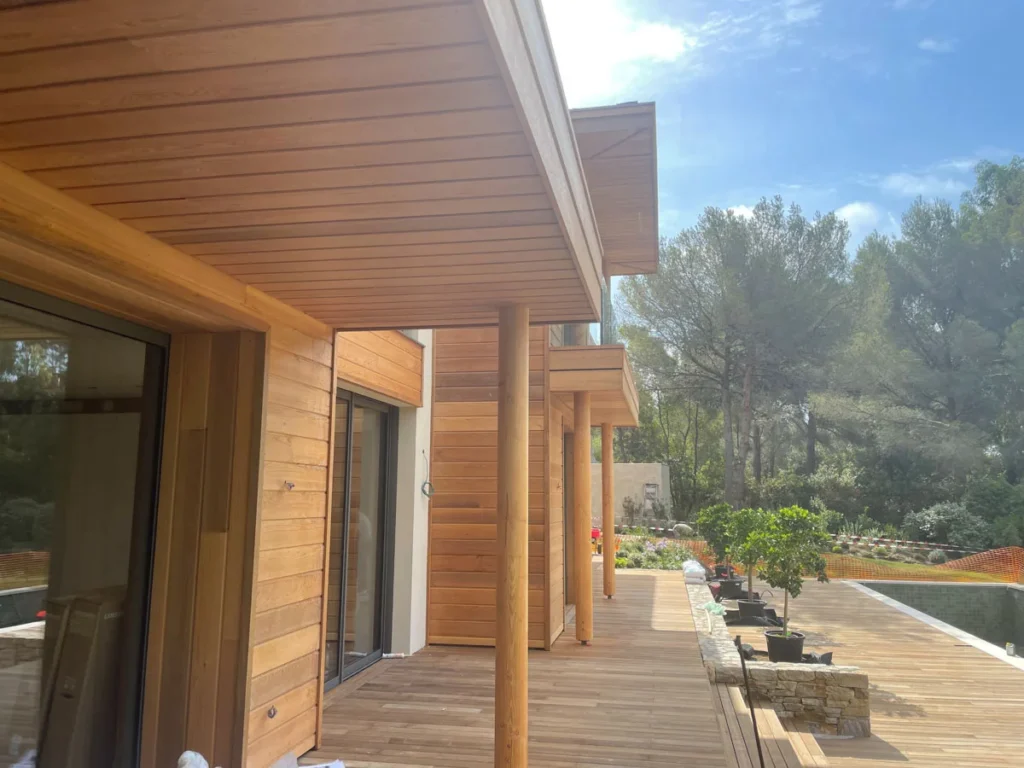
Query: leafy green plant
x=792, y=545
x=621, y=562
x=746, y=546
x=949, y=523
x=937, y=557
x=713, y=523
x=837, y=550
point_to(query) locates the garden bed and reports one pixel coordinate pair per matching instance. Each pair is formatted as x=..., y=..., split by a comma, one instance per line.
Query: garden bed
x=824, y=699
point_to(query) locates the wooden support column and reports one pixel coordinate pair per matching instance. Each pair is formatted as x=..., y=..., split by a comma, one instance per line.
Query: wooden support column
x=581, y=482
x=511, y=633
x=608, y=507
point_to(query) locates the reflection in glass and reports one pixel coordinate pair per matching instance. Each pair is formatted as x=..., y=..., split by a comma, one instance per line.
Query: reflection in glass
x=363, y=593
x=71, y=422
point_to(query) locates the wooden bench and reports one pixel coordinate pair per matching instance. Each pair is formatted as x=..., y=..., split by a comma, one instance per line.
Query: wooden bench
x=781, y=748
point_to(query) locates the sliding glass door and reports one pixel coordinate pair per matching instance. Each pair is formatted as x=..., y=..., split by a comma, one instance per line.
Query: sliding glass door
x=80, y=404
x=362, y=518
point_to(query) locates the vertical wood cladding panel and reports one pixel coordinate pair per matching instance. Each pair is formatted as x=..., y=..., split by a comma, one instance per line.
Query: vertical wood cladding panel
x=198, y=639
x=291, y=548
x=463, y=534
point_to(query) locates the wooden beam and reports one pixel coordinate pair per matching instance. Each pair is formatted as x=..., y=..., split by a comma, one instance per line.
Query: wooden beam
x=581, y=481
x=608, y=507
x=512, y=627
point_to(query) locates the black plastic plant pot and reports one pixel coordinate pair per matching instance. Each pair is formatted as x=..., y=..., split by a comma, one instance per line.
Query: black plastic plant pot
x=783, y=648
x=723, y=571
x=731, y=589
x=751, y=609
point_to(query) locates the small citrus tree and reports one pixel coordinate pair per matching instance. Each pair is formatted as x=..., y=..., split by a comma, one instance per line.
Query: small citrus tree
x=791, y=545
x=714, y=525
x=746, y=544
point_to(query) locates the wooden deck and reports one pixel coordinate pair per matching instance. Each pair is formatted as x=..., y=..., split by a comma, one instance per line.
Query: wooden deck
x=935, y=702
x=638, y=696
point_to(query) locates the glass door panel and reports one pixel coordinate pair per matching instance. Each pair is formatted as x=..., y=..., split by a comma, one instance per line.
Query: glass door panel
x=79, y=415
x=365, y=546
x=332, y=666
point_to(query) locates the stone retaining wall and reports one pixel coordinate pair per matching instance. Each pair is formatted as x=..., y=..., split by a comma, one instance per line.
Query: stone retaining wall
x=827, y=699
x=21, y=644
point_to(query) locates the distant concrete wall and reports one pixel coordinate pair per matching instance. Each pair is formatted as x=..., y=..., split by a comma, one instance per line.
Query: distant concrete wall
x=630, y=480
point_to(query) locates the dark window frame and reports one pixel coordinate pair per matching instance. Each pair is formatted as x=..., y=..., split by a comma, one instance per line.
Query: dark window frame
x=144, y=515
x=386, y=531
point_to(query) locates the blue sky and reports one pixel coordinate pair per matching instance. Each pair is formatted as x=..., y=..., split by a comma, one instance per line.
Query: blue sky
x=856, y=106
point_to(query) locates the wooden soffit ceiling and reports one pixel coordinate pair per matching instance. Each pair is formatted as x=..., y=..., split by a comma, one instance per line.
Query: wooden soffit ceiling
x=604, y=372
x=372, y=163
x=618, y=147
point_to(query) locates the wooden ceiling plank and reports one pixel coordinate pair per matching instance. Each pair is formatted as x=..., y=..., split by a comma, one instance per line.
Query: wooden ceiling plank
x=419, y=225
x=374, y=178
x=392, y=193
x=255, y=81
x=530, y=249
x=433, y=238
x=418, y=278
x=340, y=213
x=241, y=45
x=368, y=290
x=60, y=24
x=364, y=156
x=321, y=107
x=353, y=268
x=244, y=141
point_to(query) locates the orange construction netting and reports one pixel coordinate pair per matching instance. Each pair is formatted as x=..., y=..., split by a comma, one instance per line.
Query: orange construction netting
x=24, y=569
x=1004, y=565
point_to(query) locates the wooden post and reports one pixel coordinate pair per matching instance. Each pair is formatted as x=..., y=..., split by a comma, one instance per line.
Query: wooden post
x=581, y=482
x=608, y=507
x=511, y=632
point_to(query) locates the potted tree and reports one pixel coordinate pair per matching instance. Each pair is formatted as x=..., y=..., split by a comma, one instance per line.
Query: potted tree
x=791, y=545
x=713, y=526
x=747, y=547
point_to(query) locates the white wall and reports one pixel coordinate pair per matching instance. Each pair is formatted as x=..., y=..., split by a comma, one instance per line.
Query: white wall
x=629, y=481
x=409, y=595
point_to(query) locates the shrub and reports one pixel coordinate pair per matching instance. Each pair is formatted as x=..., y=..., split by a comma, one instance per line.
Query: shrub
x=949, y=523
x=837, y=550
x=845, y=546
x=937, y=557
x=713, y=523
x=635, y=560
x=880, y=551
x=621, y=562
x=868, y=556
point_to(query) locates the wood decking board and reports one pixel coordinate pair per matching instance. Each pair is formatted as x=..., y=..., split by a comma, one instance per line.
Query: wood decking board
x=935, y=701
x=638, y=697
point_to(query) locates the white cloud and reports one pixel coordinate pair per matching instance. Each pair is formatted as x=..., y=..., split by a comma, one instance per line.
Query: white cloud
x=743, y=211
x=604, y=50
x=931, y=45
x=923, y=184
x=863, y=218
x=860, y=215
x=800, y=11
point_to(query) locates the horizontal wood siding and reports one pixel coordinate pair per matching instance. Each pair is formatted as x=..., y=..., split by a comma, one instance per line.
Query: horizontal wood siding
x=287, y=621
x=463, y=516
x=386, y=364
